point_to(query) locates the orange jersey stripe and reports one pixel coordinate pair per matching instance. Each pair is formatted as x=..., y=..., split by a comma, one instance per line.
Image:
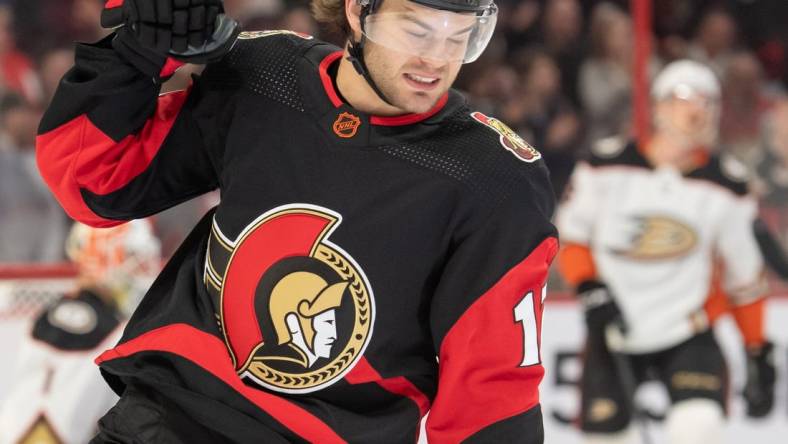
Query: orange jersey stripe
x=576, y=264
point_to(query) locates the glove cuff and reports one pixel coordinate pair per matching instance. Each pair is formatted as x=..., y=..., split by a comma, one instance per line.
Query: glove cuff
x=764, y=351
x=593, y=294
x=222, y=41
x=112, y=14
x=150, y=63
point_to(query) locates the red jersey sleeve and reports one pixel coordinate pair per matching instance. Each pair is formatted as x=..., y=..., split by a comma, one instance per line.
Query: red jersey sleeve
x=486, y=322
x=111, y=149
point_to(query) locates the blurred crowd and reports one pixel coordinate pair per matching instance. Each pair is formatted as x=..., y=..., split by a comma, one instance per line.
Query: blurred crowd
x=557, y=71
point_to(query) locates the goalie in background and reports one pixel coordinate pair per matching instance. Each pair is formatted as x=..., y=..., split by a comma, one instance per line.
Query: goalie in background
x=58, y=393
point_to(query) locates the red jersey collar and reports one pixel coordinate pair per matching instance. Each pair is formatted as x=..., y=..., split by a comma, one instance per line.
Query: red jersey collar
x=405, y=119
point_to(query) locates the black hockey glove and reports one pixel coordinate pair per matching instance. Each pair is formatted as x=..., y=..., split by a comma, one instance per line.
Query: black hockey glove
x=761, y=375
x=600, y=308
x=158, y=35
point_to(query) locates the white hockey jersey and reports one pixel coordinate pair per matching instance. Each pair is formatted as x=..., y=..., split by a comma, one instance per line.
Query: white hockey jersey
x=655, y=235
x=58, y=393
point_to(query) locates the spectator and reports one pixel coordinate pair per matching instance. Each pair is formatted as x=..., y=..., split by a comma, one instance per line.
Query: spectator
x=544, y=116
x=16, y=69
x=256, y=14
x=299, y=19
x=562, y=27
x=52, y=66
x=495, y=85
x=744, y=104
x=715, y=40
x=86, y=20
x=773, y=168
x=605, y=77
x=32, y=225
x=519, y=22
x=42, y=24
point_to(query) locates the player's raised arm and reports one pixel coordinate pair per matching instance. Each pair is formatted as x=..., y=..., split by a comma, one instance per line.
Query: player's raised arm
x=486, y=321
x=110, y=148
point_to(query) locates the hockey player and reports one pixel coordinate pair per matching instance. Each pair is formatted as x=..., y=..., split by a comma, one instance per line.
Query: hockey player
x=643, y=229
x=370, y=222
x=58, y=394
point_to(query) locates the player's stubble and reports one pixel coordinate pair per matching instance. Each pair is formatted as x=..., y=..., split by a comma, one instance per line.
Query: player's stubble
x=388, y=67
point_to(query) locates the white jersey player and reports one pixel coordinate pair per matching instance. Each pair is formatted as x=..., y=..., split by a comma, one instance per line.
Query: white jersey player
x=58, y=393
x=645, y=228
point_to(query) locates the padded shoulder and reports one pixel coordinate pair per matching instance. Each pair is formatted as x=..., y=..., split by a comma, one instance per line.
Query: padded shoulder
x=616, y=151
x=485, y=155
x=265, y=63
x=75, y=324
x=726, y=172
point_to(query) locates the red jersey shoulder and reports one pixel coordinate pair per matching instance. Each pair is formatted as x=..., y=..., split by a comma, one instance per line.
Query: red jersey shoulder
x=509, y=138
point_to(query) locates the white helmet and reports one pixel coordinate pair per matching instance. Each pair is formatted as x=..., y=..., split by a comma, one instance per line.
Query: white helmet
x=684, y=78
x=693, y=82
x=123, y=260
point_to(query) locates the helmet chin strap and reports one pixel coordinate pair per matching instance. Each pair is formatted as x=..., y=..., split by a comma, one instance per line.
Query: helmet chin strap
x=356, y=51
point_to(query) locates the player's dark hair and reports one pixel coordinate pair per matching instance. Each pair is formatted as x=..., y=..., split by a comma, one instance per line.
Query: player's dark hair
x=331, y=13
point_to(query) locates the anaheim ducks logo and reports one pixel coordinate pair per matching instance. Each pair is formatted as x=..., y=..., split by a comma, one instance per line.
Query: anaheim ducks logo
x=346, y=125
x=659, y=238
x=509, y=139
x=297, y=311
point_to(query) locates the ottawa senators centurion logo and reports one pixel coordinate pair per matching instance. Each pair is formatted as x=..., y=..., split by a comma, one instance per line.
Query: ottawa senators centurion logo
x=296, y=310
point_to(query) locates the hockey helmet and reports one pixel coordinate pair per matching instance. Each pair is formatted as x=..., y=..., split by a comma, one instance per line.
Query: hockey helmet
x=685, y=78
x=121, y=260
x=692, y=93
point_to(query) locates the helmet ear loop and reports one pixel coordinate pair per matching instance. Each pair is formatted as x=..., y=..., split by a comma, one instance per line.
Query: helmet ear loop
x=356, y=51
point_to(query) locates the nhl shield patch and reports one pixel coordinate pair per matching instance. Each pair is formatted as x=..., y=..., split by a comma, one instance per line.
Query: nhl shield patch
x=346, y=126
x=509, y=139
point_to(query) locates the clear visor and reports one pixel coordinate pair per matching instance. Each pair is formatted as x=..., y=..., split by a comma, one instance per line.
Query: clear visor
x=432, y=33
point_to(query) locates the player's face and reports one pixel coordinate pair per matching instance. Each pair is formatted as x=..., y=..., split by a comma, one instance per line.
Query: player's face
x=414, y=53
x=325, y=329
x=693, y=118
x=412, y=84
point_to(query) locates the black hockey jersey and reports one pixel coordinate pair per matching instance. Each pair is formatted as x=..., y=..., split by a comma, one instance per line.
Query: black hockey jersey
x=359, y=271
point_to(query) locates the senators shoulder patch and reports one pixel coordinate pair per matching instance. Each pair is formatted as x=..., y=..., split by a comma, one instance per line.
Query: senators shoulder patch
x=250, y=35
x=509, y=139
